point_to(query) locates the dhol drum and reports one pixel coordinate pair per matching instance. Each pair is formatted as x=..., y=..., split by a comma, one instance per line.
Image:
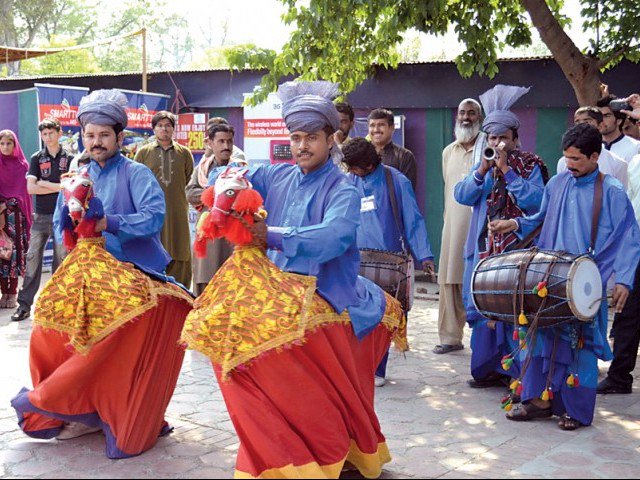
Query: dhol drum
x=554, y=287
x=391, y=271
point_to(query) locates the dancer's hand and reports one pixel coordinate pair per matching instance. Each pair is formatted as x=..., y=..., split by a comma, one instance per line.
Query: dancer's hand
x=259, y=232
x=101, y=225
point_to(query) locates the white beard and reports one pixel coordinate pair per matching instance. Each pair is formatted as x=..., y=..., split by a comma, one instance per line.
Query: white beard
x=466, y=134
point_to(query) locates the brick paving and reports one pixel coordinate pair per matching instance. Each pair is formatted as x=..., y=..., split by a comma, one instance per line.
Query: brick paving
x=436, y=426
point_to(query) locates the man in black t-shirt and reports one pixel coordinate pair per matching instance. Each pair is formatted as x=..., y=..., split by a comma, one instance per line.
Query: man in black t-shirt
x=43, y=181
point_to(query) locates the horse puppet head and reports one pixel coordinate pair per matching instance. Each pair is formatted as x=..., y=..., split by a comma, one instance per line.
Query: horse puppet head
x=234, y=207
x=81, y=209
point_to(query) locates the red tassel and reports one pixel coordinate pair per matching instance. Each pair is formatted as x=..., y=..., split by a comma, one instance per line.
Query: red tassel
x=200, y=247
x=207, y=197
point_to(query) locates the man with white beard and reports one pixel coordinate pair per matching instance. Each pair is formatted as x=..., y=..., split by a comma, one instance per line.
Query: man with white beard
x=457, y=160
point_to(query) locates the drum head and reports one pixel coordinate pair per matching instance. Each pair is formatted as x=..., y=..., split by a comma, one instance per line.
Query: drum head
x=584, y=288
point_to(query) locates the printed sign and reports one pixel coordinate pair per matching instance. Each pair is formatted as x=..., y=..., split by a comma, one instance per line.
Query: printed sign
x=191, y=131
x=265, y=134
x=142, y=107
x=60, y=103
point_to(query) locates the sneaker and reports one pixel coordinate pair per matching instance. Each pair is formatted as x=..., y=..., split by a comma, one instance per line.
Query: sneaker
x=21, y=314
x=380, y=381
x=75, y=430
x=607, y=386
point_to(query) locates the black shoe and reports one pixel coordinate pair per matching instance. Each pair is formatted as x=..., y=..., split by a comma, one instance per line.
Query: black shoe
x=21, y=314
x=491, y=380
x=607, y=386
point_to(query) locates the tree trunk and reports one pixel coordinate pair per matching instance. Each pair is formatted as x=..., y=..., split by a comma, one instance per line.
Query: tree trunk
x=9, y=35
x=582, y=72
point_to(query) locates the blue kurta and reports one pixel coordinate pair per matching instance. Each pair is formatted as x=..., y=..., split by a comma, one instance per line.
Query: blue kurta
x=134, y=206
x=378, y=227
x=489, y=346
x=567, y=209
x=312, y=225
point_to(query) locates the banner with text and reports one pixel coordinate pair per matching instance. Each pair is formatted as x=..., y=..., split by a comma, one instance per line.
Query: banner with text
x=60, y=102
x=191, y=131
x=140, y=110
x=266, y=138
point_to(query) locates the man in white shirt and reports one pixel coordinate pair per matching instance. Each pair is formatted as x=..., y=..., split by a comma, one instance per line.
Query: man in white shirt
x=608, y=162
x=612, y=137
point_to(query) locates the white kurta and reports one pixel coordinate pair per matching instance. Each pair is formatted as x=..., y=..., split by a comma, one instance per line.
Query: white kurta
x=456, y=164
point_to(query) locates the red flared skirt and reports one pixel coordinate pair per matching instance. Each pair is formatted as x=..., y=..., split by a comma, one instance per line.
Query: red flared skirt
x=303, y=411
x=124, y=384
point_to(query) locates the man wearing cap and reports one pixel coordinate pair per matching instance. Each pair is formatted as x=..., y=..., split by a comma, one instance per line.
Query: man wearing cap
x=313, y=215
x=172, y=165
x=506, y=187
x=122, y=382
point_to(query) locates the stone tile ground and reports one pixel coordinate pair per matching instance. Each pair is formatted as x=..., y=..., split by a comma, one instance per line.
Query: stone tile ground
x=436, y=426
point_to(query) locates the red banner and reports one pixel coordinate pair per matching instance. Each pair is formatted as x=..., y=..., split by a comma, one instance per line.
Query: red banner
x=65, y=114
x=191, y=131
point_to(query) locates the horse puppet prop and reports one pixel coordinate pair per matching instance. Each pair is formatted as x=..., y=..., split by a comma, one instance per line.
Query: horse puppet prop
x=296, y=380
x=104, y=351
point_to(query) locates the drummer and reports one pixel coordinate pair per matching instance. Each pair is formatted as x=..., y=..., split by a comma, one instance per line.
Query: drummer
x=507, y=187
x=564, y=360
x=379, y=228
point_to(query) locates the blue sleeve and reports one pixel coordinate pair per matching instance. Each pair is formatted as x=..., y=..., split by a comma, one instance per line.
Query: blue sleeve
x=328, y=239
x=148, y=200
x=468, y=191
x=57, y=220
x=529, y=223
x=527, y=191
x=415, y=230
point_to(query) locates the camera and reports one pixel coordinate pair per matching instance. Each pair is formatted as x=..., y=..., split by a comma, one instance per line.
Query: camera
x=619, y=104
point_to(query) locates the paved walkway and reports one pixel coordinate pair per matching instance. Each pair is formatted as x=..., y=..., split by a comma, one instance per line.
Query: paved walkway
x=436, y=426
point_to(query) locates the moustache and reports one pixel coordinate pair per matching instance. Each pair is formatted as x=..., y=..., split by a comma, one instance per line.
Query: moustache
x=98, y=148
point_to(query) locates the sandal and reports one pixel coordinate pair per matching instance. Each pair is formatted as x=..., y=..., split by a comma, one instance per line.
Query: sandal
x=523, y=412
x=445, y=348
x=568, y=423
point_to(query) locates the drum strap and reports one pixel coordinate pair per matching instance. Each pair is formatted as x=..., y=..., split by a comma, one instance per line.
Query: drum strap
x=597, y=208
x=394, y=206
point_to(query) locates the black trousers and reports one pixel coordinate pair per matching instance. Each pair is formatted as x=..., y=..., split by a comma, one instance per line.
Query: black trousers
x=626, y=333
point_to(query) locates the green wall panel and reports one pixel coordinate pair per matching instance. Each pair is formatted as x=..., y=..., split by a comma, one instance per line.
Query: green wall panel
x=552, y=123
x=28, y=112
x=439, y=133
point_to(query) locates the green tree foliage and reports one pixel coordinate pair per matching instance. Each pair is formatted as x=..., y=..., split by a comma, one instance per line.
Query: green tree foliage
x=75, y=61
x=25, y=23
x=343, y=40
